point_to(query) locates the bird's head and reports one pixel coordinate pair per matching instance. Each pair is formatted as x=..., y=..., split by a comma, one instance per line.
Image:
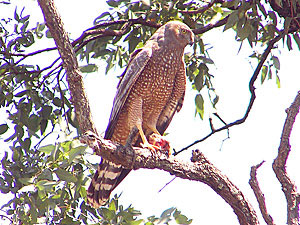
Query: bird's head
x=179, y=33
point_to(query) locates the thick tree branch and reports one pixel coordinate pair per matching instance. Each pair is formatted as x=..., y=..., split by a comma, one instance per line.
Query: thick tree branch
x=252, y=98
x=279, y=164
x=70, y=64
x=200, y=169
x=259, y=195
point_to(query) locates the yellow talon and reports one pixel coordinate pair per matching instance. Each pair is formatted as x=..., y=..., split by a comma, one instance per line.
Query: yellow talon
x=153, y=148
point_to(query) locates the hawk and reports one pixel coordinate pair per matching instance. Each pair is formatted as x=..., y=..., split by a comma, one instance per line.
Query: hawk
x=149, y=93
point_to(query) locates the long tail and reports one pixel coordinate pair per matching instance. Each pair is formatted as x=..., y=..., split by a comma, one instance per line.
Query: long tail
x=105, y=180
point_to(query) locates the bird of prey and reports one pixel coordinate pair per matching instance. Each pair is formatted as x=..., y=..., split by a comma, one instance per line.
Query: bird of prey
x=149, y=93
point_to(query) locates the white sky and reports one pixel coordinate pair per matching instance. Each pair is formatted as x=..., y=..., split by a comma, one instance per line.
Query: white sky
x=250, y=143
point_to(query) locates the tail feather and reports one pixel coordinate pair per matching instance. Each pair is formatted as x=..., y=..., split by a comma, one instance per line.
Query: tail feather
x=105, y=180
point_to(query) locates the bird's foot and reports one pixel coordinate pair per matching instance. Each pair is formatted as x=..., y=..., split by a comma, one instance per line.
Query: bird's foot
x=152, y=147
x=160, y=142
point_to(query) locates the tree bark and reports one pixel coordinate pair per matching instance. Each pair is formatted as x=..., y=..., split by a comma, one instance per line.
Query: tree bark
x=279, y=165
x=199, y=169
x=70, y=64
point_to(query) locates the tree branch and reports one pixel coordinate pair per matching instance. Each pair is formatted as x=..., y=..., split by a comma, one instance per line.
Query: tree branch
x=259, y=195
x=252, y=98
x=279, y=164
x=202, y=9
x=70, y=64
x=200, y=169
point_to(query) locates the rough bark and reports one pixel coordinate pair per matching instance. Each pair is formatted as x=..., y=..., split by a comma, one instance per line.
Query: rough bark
x=259, y=194
x=70, y=64
x=199, y=169
x=279, y=165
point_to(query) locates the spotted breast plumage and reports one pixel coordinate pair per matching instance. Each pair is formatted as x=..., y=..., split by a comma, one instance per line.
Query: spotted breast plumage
x=149, y=93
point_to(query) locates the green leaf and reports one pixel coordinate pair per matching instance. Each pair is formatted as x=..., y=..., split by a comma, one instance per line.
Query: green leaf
x=273, y=17
x=16, y=16
x=43, y=126
x=100, y=18
x=277, y=81
x=109, y=63
x=198, y=81
x=206, y=60
x=57, y=102
x=166, y=215
x=3, y=128
x=65, y=175
x=112, y=205
x=45, y=185
x=46, y=111
x=201, y=45
x=199, y=101
x=76, y=151
x=276, y=62
x=48, y=34
x=47, y=149
x=135, y=222
x=180, y=218
x=232, y=20
x=270, y=74
x=215, y=101
x=244, y=31
x=107, y=214
x=33, y=122
x=263, y=74
x=82, y=192
x=89, y=68
x=26, y=144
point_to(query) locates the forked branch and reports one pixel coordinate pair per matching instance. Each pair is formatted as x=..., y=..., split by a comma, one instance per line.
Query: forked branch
x=252, y=98
x=279, y=165
x=259, y=195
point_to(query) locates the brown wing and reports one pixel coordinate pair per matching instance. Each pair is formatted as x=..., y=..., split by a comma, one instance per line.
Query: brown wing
x=136, y=65
x=167, y=114
x=108, y=174
x=175, y=102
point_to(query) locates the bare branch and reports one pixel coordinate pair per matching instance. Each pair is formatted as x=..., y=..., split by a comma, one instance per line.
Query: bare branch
x=279, y=164
x=252, y=98
x=259, y=195
x=200, y=169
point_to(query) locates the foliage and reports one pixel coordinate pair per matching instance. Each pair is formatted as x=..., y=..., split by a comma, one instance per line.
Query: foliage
x=45, y=170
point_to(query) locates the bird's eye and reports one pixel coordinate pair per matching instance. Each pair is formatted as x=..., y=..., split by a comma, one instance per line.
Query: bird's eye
x=184, y=31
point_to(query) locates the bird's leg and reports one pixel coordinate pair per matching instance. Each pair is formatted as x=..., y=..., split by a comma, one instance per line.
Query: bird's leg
x=135, y=119
x=131, y=136
x=146, y=144
x=128, y=144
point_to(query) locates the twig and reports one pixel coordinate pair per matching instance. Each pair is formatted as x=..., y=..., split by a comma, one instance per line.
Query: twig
x=259, y=195
x=208, y=27
x=252, y=98
x=167, y=184
x=279, y=164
